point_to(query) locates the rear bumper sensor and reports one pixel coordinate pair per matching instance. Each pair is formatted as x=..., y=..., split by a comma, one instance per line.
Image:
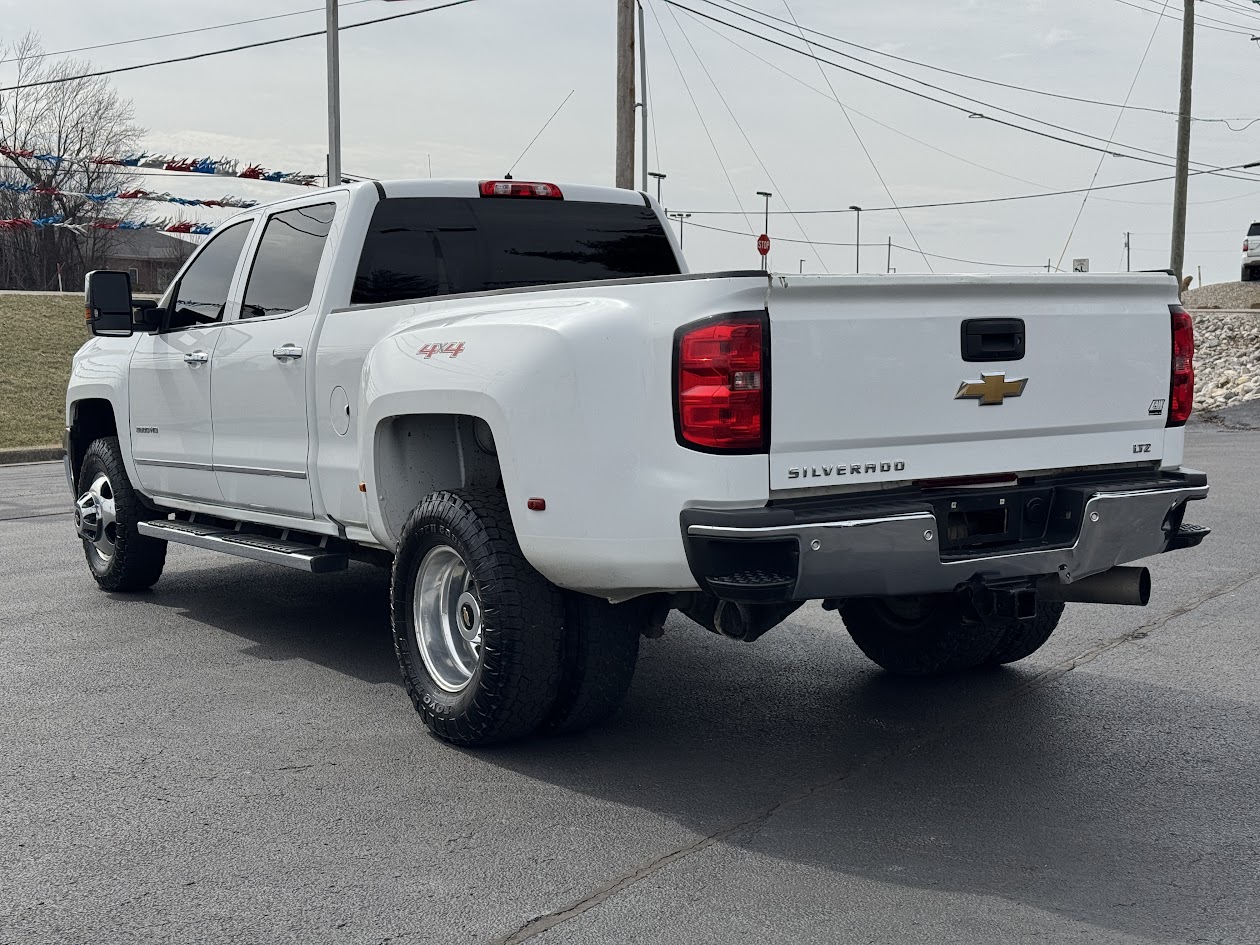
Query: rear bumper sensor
x=906, y=547
x=304, y=556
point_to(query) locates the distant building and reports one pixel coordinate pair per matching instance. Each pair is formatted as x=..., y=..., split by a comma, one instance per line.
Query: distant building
x=151, y=256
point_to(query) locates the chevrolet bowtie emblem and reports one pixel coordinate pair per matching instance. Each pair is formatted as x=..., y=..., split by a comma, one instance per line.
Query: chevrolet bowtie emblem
x=991, y=389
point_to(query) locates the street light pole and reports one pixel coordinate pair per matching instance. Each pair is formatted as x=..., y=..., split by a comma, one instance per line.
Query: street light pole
x=857, y=266
x=334, y=97
x=765, y=260
x=659, y=177
x=682, y=225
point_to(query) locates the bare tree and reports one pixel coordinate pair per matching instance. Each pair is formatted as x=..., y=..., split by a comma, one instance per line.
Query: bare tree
x=76, y=118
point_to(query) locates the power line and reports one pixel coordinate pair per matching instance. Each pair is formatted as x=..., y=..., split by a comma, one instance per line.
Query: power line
x=873, y=120
x=862, y=144
x=696, y=105
x=984, y=200
x=1199, y=21
x=916, y=140
x=747, y=140
x=907, y=249
x=971, y=113
x=200, y=29
x=961, y=75
x=1246, y=15
x=1119, y=115
x=230, y=49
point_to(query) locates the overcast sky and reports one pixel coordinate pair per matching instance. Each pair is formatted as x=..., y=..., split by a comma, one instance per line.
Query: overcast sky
x=469, y=86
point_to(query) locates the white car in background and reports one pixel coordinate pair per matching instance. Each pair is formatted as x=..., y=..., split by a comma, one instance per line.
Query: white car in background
x=1251, y=254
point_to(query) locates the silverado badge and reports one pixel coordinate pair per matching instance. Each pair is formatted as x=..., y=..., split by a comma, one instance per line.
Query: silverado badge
x=991, y=389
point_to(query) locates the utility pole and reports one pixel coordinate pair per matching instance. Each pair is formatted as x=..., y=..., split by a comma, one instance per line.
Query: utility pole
x=1177, y=262
x=765, y=260
x=659, y=177
x=334, y=97
x=857, y=263
x=625, y=93
x=889, y=269
x=643, y=86
x=1128, y=254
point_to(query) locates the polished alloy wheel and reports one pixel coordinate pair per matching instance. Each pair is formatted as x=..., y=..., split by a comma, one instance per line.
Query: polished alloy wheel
x=447, y=616
x=96, y=520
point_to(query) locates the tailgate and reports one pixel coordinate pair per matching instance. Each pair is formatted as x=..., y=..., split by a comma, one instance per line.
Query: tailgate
x=869, y=382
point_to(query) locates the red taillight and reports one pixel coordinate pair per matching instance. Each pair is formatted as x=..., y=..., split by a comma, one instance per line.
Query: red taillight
x=519, y=188
x=721, y=384
x=1181, y=391
x=1245, y=244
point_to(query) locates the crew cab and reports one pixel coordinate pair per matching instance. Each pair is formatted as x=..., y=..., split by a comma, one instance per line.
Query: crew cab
x=515, y=396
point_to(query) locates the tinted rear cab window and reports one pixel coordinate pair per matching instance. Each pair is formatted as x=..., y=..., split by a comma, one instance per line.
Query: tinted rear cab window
x=1255, y=230
x=417, y=247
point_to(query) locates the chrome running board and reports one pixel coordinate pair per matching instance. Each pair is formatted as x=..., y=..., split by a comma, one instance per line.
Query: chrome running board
x=304, y=556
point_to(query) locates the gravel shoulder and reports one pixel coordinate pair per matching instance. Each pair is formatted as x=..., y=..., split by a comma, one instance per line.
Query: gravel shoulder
x=1227, y=345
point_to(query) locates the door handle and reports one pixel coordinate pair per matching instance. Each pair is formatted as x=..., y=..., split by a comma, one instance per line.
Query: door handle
x=196, y=357
x=286, y=353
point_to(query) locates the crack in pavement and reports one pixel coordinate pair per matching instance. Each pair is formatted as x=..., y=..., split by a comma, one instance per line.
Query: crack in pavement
x=540, y=924
x=22, y=518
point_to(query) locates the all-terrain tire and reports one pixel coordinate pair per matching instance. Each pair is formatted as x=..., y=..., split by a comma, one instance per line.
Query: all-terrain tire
x=513, y=686
x=926, y=635
x=601, y=648
x=1027, y=637
x=136, y=561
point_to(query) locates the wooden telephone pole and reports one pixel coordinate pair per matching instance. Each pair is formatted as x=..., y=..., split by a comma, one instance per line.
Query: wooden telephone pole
x=1177, y=263
x=625, y=94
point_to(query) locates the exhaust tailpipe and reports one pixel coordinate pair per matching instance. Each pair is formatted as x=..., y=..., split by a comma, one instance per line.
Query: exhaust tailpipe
x=1128, y=586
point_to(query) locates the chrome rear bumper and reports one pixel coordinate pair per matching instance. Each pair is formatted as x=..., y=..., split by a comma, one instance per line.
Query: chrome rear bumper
x=900, y=553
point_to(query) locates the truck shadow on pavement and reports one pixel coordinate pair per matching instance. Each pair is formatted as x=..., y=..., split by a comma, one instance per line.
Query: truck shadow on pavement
x=1101, y=799
x=339, y=621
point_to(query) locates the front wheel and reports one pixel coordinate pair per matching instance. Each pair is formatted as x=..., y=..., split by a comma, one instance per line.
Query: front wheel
x=106, y=515
x=925, y=635
x=478, y=632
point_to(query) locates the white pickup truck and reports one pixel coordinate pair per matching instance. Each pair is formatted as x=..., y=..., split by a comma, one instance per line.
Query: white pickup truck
x=516, y=396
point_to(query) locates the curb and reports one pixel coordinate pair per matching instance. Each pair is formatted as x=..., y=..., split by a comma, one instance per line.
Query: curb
x=30, y=454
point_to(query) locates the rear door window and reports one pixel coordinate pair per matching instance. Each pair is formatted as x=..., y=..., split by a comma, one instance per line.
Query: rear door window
x=418, y=247
x=283, y=275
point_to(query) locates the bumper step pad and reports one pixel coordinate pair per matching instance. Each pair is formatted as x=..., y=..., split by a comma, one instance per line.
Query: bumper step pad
x=1188, y=536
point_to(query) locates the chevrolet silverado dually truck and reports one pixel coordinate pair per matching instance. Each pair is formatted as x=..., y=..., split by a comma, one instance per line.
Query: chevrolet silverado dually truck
x=516, y=396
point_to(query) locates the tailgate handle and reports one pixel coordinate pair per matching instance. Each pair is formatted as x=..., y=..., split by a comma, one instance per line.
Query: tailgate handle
x=992, y=339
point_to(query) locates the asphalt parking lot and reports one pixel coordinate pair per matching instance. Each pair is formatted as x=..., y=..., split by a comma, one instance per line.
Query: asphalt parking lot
x=230, y=759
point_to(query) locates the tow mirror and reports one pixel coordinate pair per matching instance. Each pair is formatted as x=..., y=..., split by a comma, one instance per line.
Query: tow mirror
x=108, y=302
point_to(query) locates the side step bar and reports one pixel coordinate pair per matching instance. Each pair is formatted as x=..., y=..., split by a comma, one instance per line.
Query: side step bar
x=291, y=554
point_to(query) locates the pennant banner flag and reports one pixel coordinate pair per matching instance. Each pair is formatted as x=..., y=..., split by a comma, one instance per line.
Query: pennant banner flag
x=222, y=167
x=239, y=203
x=165, y=226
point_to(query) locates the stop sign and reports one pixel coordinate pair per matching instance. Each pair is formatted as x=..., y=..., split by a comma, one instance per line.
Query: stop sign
x=763, y=244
